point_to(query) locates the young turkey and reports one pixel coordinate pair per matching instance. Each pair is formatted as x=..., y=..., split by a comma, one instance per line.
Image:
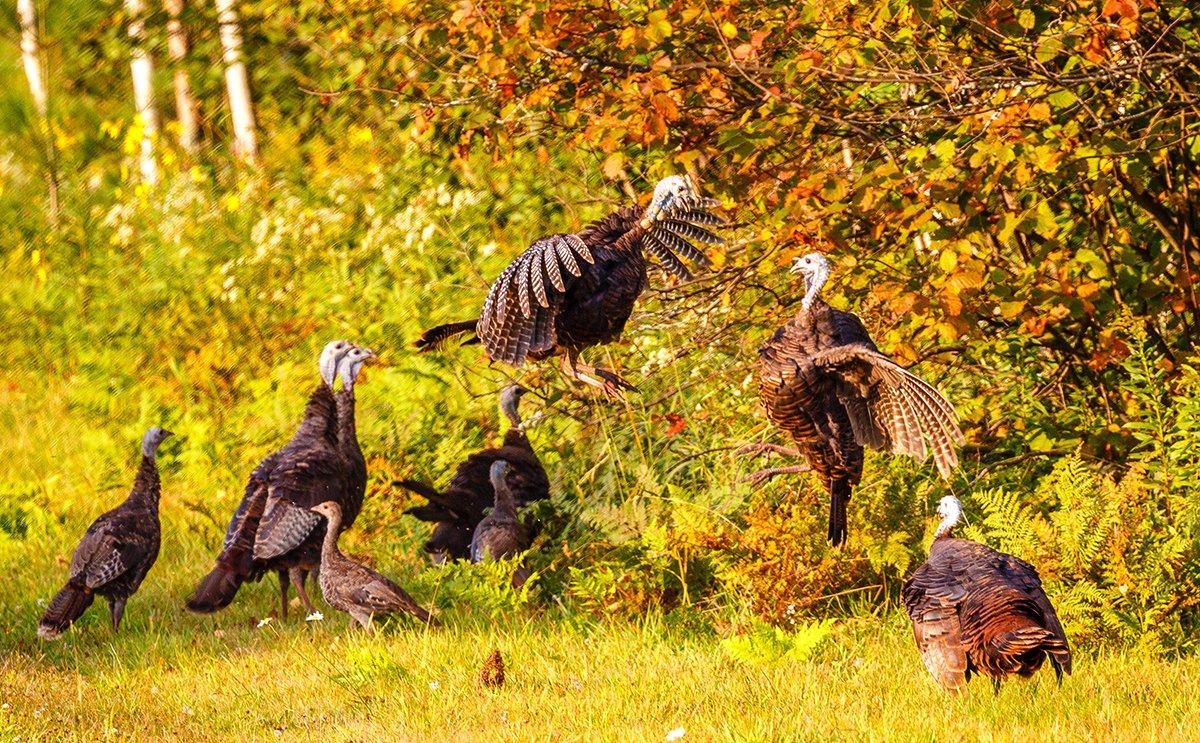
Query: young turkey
x=823, y=381
x=458, y=509
x=976, y=610
x=566, y=293
x=501, y=534
x=115, y=553
x=355, y=588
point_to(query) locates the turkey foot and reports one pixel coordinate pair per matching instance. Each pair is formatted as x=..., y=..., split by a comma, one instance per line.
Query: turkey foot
x=758, y=478
x=760, y=449
x=609, y=383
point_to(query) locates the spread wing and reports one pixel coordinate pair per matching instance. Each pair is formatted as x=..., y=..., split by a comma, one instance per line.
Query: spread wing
x=518, y=316
x=891, y=408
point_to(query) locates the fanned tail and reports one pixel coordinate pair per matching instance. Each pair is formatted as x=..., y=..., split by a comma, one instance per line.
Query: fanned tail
x=422, y=489
x=67, y=606
x=435, y=338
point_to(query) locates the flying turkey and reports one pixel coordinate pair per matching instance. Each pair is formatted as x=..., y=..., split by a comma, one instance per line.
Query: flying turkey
x=823, y=381
x=457, y=510
x=501, y=535
x=354, y=588
x=115, y=553
x=568, y=292
x=978, y=611
x=236, y=563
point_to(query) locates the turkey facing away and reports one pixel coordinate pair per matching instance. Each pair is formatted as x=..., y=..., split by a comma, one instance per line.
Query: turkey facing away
x=357, y=589
x=115, y=554
x=458, y=509
x=825, y=383
x=976, y=610
x=272, y=529
x=501, y=535
x=566, y=293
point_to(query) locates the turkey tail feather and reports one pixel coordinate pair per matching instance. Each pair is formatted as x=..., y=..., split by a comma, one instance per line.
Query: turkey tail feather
x=67, y=606
x=216, y=590
x=435, y=338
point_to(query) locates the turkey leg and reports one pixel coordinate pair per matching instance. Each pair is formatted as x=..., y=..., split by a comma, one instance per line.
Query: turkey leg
x=116, y=610
x=298, y=576
x=758, y=478
x=283, y=595
x=609, y=383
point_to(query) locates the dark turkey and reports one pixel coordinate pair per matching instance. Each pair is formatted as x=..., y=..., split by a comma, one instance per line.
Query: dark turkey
x=457, y=510
x=978, y=611
x=115, y=554
x=268, y=526
x=501, y=534
x=566, y=293
x=347, y=434
x=825, y=383
x=354, y=588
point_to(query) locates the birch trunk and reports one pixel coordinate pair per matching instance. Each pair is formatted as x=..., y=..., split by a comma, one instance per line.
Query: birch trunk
x=185, y=102
x=142, y=70
x=31, y=59
x=245, y=143
x=31, y=55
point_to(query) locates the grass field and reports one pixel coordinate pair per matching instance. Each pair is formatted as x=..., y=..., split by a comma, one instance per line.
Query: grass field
x=171, y=675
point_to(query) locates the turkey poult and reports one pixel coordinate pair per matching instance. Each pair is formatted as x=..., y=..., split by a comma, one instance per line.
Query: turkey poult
x=569, y=292
x=825, y=383
x=459, y=509
x=269, y=532
x=978, y=611
x=357, y=589
x=501, y=534
x=115, y=554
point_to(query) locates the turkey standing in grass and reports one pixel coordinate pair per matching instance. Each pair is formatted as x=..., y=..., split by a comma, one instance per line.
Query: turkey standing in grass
x=354, y=588
x=238, y=561
x=115, y=554
x=823, y=381
x=566, y=293
x=459, y=509
x=501, y=535
x=976, y=610
x=347, y=433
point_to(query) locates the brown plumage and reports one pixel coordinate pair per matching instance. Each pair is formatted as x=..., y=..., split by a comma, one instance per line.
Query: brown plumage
x=825, y=383
x=458, y=509
x=491, y=675
x=976, y=610
x=115, y=553
x=354, y=588
x=569, y=292
x=272, y=529
x=501, y=534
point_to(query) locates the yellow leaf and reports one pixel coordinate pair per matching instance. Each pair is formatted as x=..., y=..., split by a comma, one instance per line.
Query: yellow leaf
x=1010, y=310
x=729, y=30
x=948, y=260
x=1039, y=112
x=612, y=167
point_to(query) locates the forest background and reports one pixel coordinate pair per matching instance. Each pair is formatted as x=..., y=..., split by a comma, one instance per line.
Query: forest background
x=1006, y=190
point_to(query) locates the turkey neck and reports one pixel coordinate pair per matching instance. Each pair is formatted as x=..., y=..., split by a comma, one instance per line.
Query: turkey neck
x=618, y=231
x=347, y=432
x=332, y=527
x=146, y=486
x=319, y=414
x=504, y=504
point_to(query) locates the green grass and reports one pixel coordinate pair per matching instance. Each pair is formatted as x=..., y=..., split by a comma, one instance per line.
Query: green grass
x=169, y=674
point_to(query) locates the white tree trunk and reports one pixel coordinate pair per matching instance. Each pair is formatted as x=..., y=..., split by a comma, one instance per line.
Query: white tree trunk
x=185, y=102
x=245, y=142
x=31, y=55
x=142, y=70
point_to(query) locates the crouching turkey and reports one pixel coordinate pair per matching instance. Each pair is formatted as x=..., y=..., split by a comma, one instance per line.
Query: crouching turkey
x=115, y=554
x=978, y=611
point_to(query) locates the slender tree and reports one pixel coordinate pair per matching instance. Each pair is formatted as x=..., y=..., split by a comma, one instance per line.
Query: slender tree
x=185, y=102
x=245, y=142
x=142, y=70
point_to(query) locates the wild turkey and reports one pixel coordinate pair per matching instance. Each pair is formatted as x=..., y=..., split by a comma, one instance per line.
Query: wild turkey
x=115, y=553
x=457, y=510
x=566, y=293
x=501, y=535
x=823, y=381
x=357, y=589
x=347, y=433
x=236, y=563
x=491, y=674
x=976, y=610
